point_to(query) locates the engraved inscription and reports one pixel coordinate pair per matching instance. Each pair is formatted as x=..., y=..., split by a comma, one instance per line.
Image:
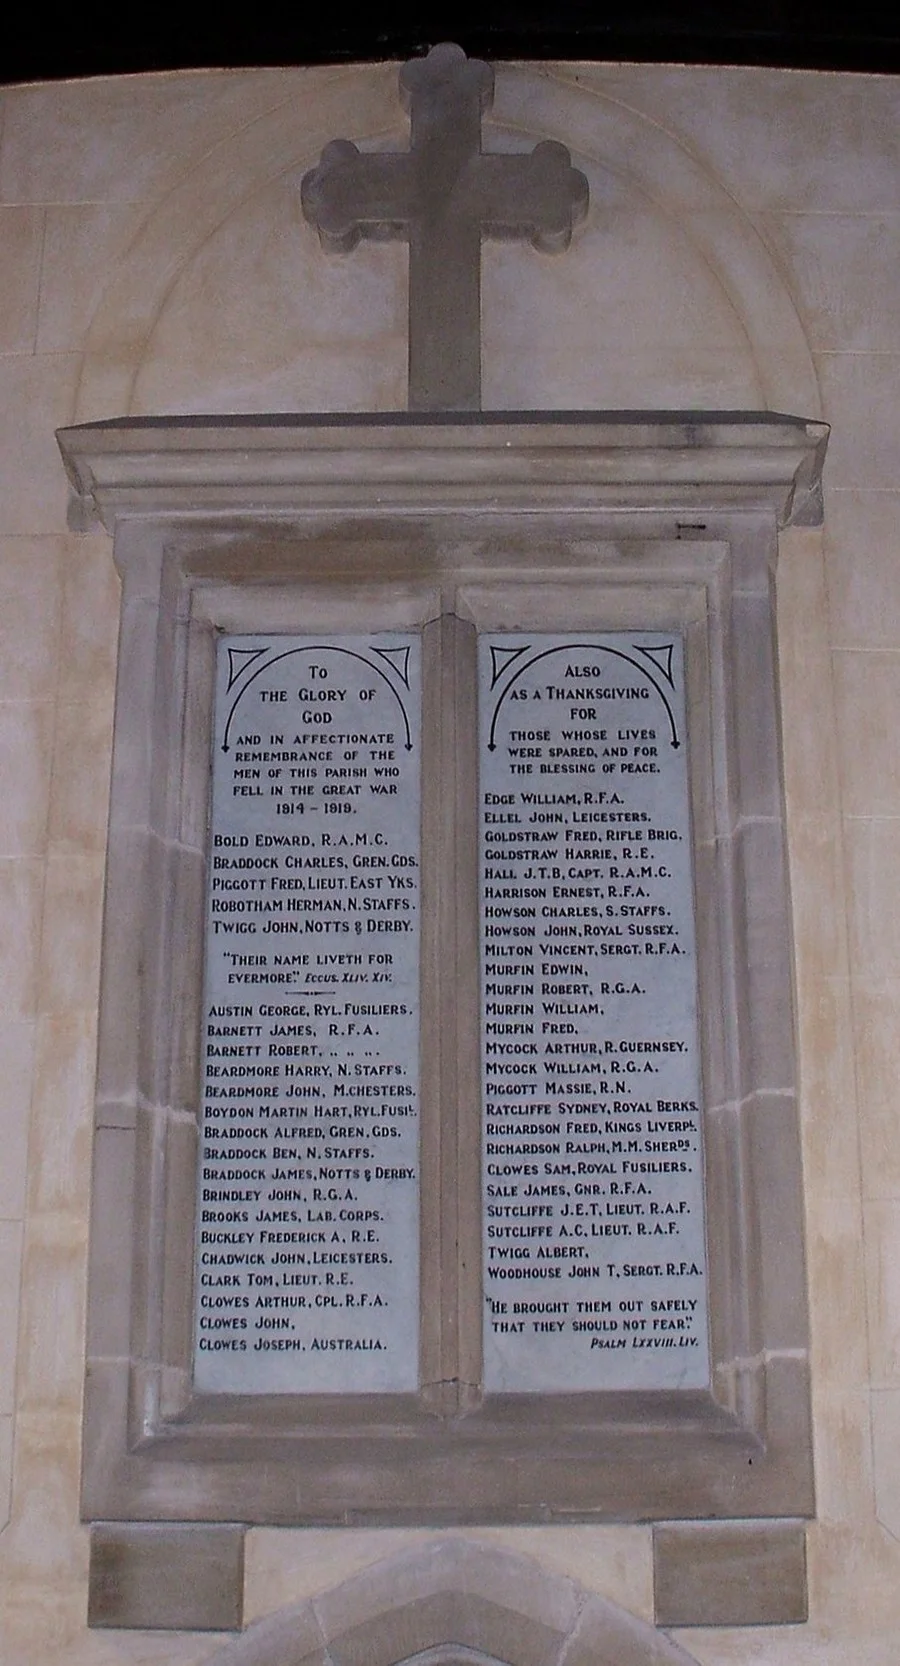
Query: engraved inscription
x=308, y=1198
x=594, y=1237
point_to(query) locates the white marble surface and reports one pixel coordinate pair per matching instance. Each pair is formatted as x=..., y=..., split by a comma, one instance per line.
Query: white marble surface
x=594, y=1252
x=308, y=1203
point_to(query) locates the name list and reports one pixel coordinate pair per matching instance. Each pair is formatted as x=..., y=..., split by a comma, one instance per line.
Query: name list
x=308, y=1202
x=594, y=1231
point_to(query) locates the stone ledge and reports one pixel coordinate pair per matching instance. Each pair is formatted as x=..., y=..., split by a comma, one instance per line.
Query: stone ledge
x=198, y=467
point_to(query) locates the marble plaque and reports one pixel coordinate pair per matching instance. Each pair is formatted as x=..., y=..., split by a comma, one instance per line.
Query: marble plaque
x=594, y=1249
x=307, y=1237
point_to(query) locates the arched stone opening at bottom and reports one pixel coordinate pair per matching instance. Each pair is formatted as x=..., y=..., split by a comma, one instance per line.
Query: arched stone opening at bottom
x=453, y=1654
x=453, y=1603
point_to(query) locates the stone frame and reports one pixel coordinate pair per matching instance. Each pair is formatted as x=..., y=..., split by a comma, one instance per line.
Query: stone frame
x=662, y=519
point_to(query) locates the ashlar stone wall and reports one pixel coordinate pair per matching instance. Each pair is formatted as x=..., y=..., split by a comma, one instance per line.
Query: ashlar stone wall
x=741, y=252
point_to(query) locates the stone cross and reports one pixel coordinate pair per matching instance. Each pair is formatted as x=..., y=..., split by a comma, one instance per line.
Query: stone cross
x=444, y=195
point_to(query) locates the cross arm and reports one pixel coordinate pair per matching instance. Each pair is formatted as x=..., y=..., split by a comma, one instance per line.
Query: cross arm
x=539, y=197
x=354, y=194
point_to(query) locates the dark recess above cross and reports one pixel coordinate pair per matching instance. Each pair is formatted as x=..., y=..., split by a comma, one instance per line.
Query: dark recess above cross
x=444, y=195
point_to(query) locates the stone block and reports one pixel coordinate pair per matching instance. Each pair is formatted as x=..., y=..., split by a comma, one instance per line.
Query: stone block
x=166, y=1577
x=730, y=1574
x=21, y=899
x=865, y=452
x=20, y=258
x=872, y=852
x=10, y=1267
x=32, y=489
x=17, y=1043
x=30, y=611
x=863, y=532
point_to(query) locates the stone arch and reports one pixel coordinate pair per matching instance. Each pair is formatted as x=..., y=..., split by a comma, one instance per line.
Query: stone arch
x=598, y=124
x=613, y=140
x=453, y=1602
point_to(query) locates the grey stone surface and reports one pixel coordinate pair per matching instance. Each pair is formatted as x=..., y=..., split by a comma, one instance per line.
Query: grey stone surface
x=457, y=1592
x=290, y=1637
x=443, y=196
x=608, y=1636
x=165, y=1577
x=451, y=1099
x=455, y=1603
x=730, y=1573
